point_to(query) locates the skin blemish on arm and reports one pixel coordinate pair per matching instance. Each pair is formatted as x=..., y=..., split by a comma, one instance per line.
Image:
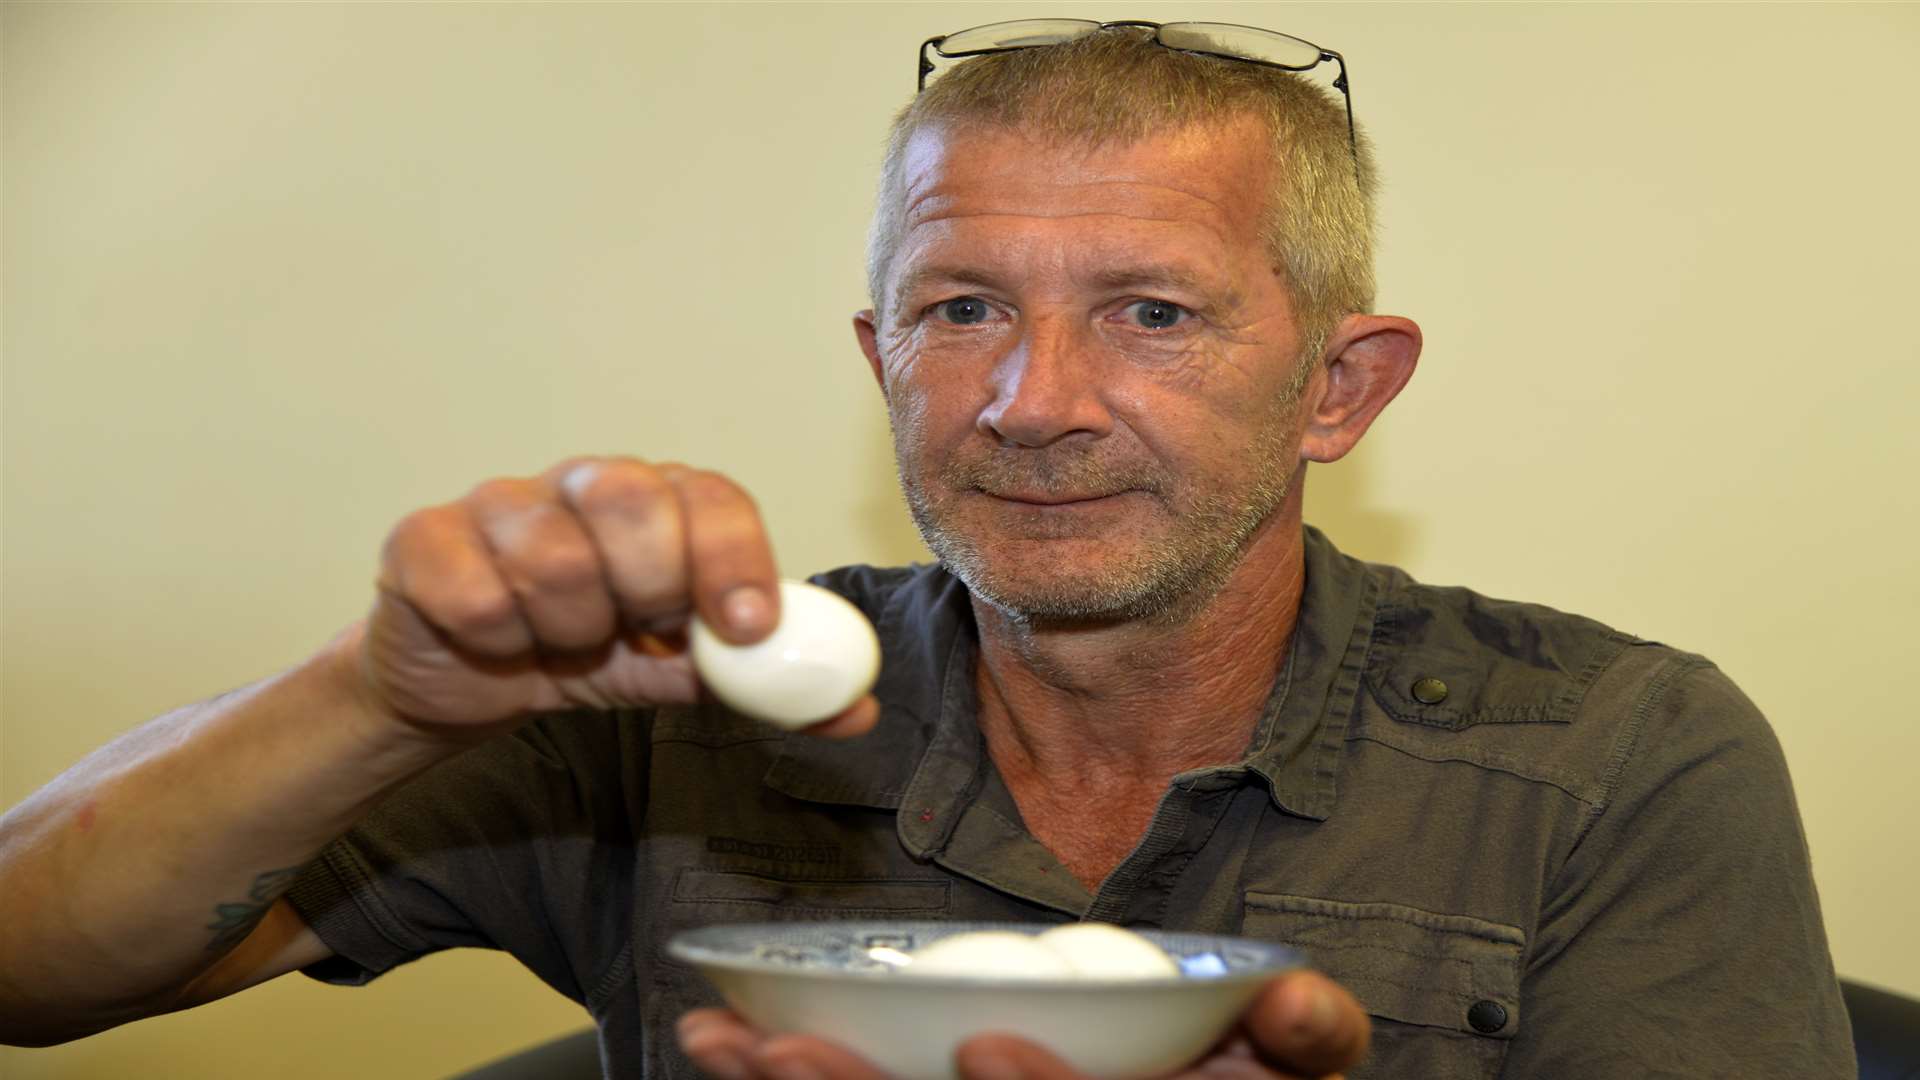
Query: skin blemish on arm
x=83, y=818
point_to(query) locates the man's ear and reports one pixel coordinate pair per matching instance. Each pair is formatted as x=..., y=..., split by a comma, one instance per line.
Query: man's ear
x=863, y=329
x=1368, y=359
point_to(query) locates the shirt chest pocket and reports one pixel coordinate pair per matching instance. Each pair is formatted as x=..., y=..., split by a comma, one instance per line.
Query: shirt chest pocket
x=1443, y=990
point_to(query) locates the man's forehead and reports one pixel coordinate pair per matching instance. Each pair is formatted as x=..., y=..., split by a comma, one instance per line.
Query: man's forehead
x=1198, y=172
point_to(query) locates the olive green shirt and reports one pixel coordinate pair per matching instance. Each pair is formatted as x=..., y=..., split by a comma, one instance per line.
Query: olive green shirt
x=1532, y=846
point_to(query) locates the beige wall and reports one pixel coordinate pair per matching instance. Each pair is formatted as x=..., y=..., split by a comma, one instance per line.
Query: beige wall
x=276, y=274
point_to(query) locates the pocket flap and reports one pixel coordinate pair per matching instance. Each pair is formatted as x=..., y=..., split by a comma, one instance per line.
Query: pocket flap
x=1484, y=661
x=1405, y=964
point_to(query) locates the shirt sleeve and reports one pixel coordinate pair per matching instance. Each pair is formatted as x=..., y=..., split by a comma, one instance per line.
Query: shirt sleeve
x=524, y=844
x=1682, y=937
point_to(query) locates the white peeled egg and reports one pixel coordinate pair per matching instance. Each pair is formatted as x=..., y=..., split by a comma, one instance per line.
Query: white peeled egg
x=990, y=953
x=820, y=659
x=1105, y=951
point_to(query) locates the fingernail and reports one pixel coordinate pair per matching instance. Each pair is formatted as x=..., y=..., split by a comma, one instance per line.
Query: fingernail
x=747, y=610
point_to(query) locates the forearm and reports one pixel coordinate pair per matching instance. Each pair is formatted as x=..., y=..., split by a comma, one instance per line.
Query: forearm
x=138, y=868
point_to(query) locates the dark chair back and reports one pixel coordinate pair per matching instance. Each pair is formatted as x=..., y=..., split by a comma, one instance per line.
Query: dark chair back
x=1886, y=1031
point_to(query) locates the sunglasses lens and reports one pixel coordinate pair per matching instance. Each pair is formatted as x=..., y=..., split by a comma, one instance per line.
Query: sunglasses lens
x=1246, y=42
x=1015, y=35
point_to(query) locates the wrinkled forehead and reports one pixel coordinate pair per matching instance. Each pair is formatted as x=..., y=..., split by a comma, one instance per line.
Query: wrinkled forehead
x=1215, y=171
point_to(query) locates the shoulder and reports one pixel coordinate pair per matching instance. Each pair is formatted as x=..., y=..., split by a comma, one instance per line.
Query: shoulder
x=1536, y=692
x=1450, y=658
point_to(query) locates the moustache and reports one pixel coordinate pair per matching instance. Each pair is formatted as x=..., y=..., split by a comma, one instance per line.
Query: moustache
x=1050, y=471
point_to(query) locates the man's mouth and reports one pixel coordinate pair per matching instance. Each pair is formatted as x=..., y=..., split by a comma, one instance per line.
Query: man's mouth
x=1051, y=498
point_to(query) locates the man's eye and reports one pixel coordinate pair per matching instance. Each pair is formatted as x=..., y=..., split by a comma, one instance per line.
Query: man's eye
x=964, y=311
x=1158, y=314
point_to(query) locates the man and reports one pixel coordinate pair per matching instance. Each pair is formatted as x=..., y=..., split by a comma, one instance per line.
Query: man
x=1121, y=293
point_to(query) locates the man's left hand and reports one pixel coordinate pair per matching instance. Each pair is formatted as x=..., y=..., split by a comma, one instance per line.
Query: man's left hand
x=1302, y=1027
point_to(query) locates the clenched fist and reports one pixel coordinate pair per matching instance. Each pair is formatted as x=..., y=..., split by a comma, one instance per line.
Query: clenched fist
x=569, y=589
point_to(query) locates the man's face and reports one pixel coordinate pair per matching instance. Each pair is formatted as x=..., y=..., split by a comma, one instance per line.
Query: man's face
x=1088, y=360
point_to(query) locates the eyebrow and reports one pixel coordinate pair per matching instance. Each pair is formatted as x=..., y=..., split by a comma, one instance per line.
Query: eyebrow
x=921, y=276
x=1158, y=273
x=1175, y=275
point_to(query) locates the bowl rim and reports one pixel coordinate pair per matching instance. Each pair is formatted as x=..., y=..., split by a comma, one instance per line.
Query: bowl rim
x=686, y=947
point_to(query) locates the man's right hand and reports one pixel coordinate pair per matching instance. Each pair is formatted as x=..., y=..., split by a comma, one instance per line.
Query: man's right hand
x=569, y=589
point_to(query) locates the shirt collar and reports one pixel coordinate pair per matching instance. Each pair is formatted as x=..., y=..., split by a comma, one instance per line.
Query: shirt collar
x=927, y=748
x=1296, y=747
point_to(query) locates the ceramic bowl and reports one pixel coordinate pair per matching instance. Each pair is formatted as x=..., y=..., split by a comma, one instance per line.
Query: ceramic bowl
x=841, y=981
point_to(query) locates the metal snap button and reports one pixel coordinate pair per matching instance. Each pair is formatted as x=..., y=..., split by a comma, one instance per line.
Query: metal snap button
x=1487, y=1017
x=1429, y=691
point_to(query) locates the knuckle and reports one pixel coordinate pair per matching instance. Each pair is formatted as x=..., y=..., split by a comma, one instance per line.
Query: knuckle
x=407, y=532
x=578, y=461
x=712, y=488
x=498, y=491
x=418, y=532
x=724, y=520
x=620, y=488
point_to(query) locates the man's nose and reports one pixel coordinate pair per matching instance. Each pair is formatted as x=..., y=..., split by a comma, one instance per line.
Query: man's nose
x=1047, y=388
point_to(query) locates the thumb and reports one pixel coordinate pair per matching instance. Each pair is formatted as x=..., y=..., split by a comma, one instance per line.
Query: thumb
x=1306, y=1023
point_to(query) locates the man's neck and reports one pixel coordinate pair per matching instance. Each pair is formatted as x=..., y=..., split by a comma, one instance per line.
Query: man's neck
x=1136, y=703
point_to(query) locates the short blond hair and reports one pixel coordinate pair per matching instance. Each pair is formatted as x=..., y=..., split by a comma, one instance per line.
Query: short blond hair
x=1116, y=87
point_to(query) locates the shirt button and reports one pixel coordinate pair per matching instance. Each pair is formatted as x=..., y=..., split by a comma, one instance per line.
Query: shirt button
x=1429, y=691
x=1487, y=1017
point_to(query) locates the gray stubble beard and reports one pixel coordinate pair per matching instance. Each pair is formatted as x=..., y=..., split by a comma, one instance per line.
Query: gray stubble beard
x=1167, y=583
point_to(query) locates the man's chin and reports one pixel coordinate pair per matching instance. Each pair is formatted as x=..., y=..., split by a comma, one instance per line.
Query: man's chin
x=1070, y=578
x=1057, y=610
x=1059, y=593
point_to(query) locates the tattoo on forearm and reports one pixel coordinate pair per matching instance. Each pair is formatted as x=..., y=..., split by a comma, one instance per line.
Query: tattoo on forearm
x=233, y=922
